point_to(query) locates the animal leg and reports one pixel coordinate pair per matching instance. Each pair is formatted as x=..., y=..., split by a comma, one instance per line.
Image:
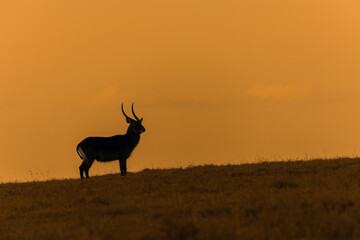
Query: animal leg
x=122, y=167
x=88, y=166
x=82, y=169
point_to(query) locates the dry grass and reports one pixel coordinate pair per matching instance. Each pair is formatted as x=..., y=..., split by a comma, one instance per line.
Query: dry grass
x=318, y=199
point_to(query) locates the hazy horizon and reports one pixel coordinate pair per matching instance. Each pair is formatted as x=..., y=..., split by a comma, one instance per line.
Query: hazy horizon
x=216, y=83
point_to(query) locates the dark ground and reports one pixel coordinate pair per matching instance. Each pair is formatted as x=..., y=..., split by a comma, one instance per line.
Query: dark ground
x=317, y=199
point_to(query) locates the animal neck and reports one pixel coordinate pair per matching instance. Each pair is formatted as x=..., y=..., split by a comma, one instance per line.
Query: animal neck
x=131, y=134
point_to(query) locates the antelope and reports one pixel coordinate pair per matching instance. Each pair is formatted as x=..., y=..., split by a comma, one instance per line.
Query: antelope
x=106, y=149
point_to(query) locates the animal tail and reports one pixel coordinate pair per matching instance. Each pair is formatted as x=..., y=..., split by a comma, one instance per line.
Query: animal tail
x=80, y=152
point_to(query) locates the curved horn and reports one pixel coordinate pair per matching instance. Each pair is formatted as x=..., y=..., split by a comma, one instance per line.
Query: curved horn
x=132, y=109
x=122, y=109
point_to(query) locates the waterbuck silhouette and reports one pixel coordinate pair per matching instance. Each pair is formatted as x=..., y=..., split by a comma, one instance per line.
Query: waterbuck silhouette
x=106, y=149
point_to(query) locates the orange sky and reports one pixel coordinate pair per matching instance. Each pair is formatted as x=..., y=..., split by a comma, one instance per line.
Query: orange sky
x=216, y=81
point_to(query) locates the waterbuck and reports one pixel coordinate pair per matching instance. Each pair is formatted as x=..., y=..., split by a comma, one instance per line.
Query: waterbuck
x=105, y=149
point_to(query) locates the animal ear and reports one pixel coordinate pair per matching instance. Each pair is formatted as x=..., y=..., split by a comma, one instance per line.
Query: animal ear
x=141, y=120
x=128, y=120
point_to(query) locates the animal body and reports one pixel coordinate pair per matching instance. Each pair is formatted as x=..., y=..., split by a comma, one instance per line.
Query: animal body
x=105, y=149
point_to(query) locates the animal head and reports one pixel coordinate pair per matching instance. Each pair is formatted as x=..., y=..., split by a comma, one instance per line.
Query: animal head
x=135, y=124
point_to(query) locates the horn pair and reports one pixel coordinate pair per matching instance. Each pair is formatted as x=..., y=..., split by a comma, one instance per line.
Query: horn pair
x=132, y=109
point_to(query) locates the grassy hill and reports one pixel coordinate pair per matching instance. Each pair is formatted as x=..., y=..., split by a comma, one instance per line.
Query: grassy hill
x=317, y=199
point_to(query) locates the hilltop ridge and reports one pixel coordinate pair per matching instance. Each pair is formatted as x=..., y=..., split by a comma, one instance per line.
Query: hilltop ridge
x=272, y=200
